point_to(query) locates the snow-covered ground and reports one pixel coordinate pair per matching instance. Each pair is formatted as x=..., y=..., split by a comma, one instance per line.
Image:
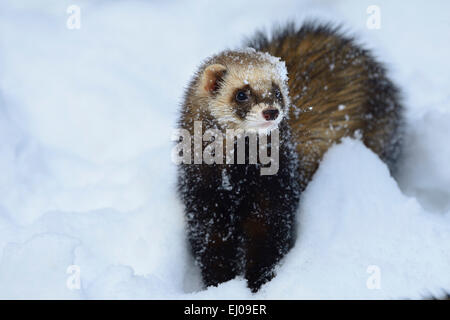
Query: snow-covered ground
x=86, y=178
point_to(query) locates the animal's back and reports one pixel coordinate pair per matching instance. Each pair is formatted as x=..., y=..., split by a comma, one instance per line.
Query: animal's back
x=337, y=89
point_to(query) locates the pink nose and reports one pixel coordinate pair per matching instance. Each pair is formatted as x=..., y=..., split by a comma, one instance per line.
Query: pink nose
x=270, y=114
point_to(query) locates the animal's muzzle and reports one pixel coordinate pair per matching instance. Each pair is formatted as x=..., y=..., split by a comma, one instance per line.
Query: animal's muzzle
x=270, y=114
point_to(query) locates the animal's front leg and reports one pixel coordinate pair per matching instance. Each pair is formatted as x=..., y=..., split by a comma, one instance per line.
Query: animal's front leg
x=269, y=234
x=214, y=240
x=217, y=258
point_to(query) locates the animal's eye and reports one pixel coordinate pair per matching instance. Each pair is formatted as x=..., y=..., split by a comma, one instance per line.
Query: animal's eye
x=278, y=94
x=241, y=96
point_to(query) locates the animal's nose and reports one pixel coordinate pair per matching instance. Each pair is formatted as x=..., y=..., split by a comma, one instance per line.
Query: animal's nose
x=270, y=114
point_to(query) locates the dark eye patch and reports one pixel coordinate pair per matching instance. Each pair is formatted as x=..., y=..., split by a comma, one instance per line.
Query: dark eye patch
x=242, y=100
x=241, y=96
x=277, y=92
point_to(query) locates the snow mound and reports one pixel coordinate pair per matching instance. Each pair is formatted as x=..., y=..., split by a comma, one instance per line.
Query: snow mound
x=353, y=216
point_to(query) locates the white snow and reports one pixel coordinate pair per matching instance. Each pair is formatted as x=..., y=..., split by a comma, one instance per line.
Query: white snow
x=86, y=118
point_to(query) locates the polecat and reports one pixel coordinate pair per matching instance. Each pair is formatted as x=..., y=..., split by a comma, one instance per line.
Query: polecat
x=240, y=222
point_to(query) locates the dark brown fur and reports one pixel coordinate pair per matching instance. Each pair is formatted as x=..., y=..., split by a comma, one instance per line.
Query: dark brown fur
x=327, y=70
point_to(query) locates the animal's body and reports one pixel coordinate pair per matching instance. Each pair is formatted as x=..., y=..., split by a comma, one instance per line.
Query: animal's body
x=242, y=222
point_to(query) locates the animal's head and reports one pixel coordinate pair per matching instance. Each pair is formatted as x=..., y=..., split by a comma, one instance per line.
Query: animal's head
x=244, y=89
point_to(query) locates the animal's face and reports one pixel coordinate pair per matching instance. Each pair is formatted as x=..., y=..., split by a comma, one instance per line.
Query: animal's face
x=245, y=93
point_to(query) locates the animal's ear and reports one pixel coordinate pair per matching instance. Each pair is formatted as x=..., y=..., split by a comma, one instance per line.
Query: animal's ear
x=211, y=78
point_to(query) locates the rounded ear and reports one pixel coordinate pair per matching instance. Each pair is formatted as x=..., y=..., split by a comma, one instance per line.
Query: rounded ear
x=211, y=77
